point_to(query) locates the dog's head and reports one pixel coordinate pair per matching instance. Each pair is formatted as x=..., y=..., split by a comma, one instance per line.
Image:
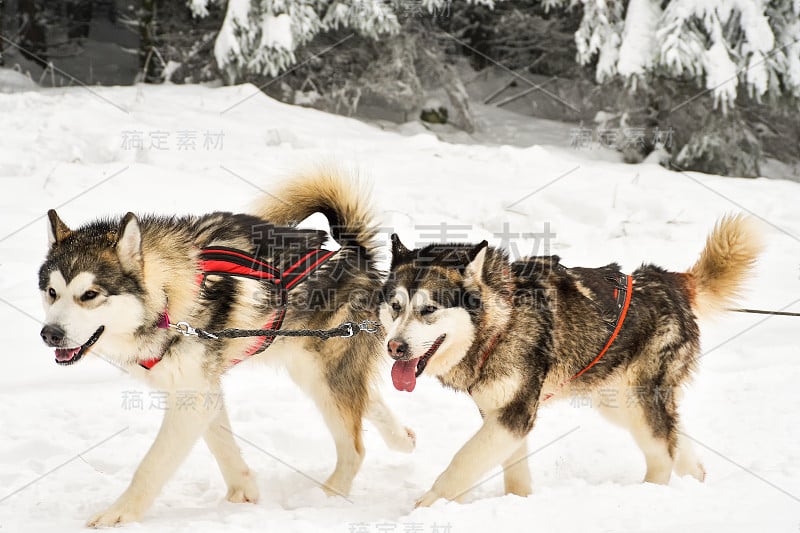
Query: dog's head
x=92, y=286
x=432, y=306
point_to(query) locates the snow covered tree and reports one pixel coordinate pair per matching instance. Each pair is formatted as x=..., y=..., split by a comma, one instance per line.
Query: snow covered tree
x=719, y=43
x=261, y=36
x=731, y=50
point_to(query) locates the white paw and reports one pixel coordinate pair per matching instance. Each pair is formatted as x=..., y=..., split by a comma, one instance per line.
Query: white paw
x=519, y=489
x=333, y=488
x=243, y=491
x=427, y=499
x=697, y=471
x=404, y=440
x=114, y=516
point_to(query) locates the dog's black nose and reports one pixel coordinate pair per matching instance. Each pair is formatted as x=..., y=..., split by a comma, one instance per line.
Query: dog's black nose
x=52, y=335
x=397, y=348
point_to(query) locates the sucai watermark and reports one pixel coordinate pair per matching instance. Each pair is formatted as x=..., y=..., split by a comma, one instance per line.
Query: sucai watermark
x=589, y=138
x=178, y=140
x=181, y=400
x=620, y=398
x=518, y=243
x=540, y=245
x=399, y=527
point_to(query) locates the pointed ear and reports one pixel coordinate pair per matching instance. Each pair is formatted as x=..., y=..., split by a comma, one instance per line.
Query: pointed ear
x=477, y=257
x=398, y=249
x=129, y=244
x=57, y=231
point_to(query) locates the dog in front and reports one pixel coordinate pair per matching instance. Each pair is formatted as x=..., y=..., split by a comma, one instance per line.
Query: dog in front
x=517, y=334
x=110, y=287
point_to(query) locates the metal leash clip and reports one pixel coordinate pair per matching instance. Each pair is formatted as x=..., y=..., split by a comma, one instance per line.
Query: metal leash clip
x=370, y=326
x=184, y=328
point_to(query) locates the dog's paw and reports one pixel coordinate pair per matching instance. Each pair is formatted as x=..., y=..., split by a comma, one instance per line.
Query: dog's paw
x=519, y=489
x=428, y=499
x=243, y=491
x=697, y=471
x=114, y=516
x=404, y=440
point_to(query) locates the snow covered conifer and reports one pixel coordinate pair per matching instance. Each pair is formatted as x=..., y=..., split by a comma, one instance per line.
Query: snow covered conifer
x=745, y=51
x=723, y=44
x=261, y=36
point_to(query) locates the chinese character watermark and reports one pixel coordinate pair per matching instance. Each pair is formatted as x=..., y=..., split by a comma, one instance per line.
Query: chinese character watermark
x=180, y=140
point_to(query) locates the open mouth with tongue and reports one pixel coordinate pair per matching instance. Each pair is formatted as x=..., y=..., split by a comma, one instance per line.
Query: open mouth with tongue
x=405, y=373
x=68, y=356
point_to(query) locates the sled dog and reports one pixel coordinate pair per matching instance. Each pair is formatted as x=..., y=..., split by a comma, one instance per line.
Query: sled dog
x=112, y=286
x=517, y=334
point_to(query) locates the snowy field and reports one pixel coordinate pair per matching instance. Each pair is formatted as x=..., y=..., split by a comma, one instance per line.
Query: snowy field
x=72, y=437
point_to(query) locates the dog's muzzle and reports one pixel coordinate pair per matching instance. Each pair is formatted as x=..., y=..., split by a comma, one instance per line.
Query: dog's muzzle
x=397, y=348
x=55, y=337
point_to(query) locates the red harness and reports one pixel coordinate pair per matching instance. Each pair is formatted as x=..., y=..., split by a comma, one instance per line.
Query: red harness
x=624, y=285
x=223, y=261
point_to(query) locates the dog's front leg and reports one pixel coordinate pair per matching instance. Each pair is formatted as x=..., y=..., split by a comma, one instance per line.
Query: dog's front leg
x=490, y=446
x=238, y=476
x=183, y=424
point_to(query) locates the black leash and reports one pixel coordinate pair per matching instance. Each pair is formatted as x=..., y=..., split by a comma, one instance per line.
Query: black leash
x=344, y=331
x=762, y=312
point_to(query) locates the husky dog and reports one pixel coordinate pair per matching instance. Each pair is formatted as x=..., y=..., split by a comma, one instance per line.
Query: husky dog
x=110, y=286
x=514, y=335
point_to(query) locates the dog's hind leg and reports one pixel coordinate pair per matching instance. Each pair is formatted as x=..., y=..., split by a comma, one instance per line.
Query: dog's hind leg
x=345, y=426
x=650, y=420
x=657, y=451
x=241, y=484
x=396, y=436
x=342, y=403
x=686, y=460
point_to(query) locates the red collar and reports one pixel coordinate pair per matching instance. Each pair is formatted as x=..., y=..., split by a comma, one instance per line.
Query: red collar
x=163, y=323
x=486, y=353
x=492, y=343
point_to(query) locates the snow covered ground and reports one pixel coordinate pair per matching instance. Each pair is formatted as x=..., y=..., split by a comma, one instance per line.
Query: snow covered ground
x=72, y=437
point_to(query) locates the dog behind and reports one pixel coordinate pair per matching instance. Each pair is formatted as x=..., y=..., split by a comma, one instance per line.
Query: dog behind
x=515, y=335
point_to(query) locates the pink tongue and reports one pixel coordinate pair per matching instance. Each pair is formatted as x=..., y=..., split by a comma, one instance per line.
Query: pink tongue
x=64, y=354
x=404, y=375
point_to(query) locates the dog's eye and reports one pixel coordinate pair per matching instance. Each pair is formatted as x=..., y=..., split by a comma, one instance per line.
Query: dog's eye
x=51, y=292
x=427, y=310
x=88, y=295
x=396, y=307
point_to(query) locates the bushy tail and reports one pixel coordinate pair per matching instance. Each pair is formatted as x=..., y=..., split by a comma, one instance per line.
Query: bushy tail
x=341, y=198
x=729, y=255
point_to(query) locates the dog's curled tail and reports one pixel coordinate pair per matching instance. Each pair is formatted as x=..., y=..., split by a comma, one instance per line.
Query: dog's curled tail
x=729, y=255
x=340, y=197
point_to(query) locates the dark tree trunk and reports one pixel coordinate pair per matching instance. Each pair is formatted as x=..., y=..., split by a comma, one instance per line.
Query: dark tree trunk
x=79, y=13
x=33, y=34
x=2, y=32
x=150, y=61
